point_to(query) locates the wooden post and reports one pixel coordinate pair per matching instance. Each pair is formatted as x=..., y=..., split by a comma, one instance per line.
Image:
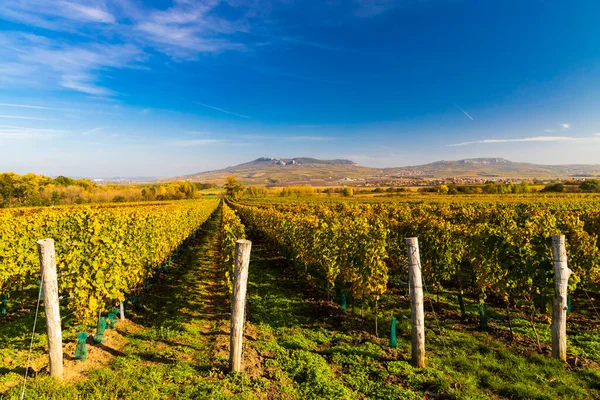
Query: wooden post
x=51, y=306
x=122, y=310
x=238, y=303
x=559, y=309
x=416, y=302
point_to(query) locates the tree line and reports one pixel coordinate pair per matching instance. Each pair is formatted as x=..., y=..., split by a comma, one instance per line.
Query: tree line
x=39, y=190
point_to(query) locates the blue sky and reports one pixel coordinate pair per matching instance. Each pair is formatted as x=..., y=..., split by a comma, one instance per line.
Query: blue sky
x=163, y=88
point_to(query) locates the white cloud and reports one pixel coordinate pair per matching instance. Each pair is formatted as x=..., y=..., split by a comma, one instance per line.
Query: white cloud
x=86, y=13
x=184, y=30
x=549, y=130
x=565, y=126
x=80, y=84
x=27, y=106
x=93, y=130
x=25, y=117
x=57, y=15
x=51, y=63
x=115, y=40
x=528, y=139
x=11, y=132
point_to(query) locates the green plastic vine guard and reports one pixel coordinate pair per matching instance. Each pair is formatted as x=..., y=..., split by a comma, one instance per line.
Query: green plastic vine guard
x=3, y=304
x=344, y=301
x=81, y=347
x=100, y=328
x=461, y=303
x=139, y=307
x=112, y=319
x=393, y=342
x=483, y=318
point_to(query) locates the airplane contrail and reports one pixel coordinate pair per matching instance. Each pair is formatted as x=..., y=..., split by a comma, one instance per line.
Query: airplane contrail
x=222, y=110
x=467, y=114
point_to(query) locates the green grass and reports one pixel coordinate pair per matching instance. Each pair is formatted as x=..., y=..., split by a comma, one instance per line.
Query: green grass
x=299, y=346
x=308, y=342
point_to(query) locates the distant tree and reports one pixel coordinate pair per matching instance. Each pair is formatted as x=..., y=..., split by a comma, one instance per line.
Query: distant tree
x=554, y=187
x=64, y=181
x=55, y=197
x=347, y=192
x=524, y=187
x=233, y=188
x=590, y=185
x=443, y=189
x=85, y=183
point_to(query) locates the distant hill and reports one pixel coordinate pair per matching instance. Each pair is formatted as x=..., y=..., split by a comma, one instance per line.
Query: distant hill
x=304, y=170
x=301, y=170
x=494, y=167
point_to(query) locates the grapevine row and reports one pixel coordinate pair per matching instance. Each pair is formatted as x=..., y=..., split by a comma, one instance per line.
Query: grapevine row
x=232, y=230
x=498, y=249
x=102, y=252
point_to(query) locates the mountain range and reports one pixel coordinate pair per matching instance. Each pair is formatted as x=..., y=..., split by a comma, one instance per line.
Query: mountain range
x=304, y=170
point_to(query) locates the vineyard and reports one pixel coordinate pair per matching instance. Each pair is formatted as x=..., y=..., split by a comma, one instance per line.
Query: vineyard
x=488, y=249
x=327, y=297
x=104, y=252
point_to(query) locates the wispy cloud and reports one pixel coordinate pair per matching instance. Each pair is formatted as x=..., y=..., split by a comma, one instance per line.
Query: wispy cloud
x=549, y=130
x=196, y=142
x=87, y=13
x=222, y=110
x=189, y=28
x=255, y=137
x=459, y=107
x=527, y=139
x=17, y=132
x=56, y=63
x=565, y=126
x=25, y=117
x=29, y=106
x=93, y=130
x=56, y=15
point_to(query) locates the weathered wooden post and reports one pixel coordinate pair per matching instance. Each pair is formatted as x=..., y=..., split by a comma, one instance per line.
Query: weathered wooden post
x=238, y=303
x=51, y=306
x=559, y=309
x=415, y=282
x=122, y=310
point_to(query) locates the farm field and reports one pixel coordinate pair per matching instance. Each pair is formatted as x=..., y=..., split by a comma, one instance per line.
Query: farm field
x=327, y=276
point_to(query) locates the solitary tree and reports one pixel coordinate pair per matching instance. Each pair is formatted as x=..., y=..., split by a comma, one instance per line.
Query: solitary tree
x=233, y=188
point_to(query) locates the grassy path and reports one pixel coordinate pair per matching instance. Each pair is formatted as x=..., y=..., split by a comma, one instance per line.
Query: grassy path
x=311, y=349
